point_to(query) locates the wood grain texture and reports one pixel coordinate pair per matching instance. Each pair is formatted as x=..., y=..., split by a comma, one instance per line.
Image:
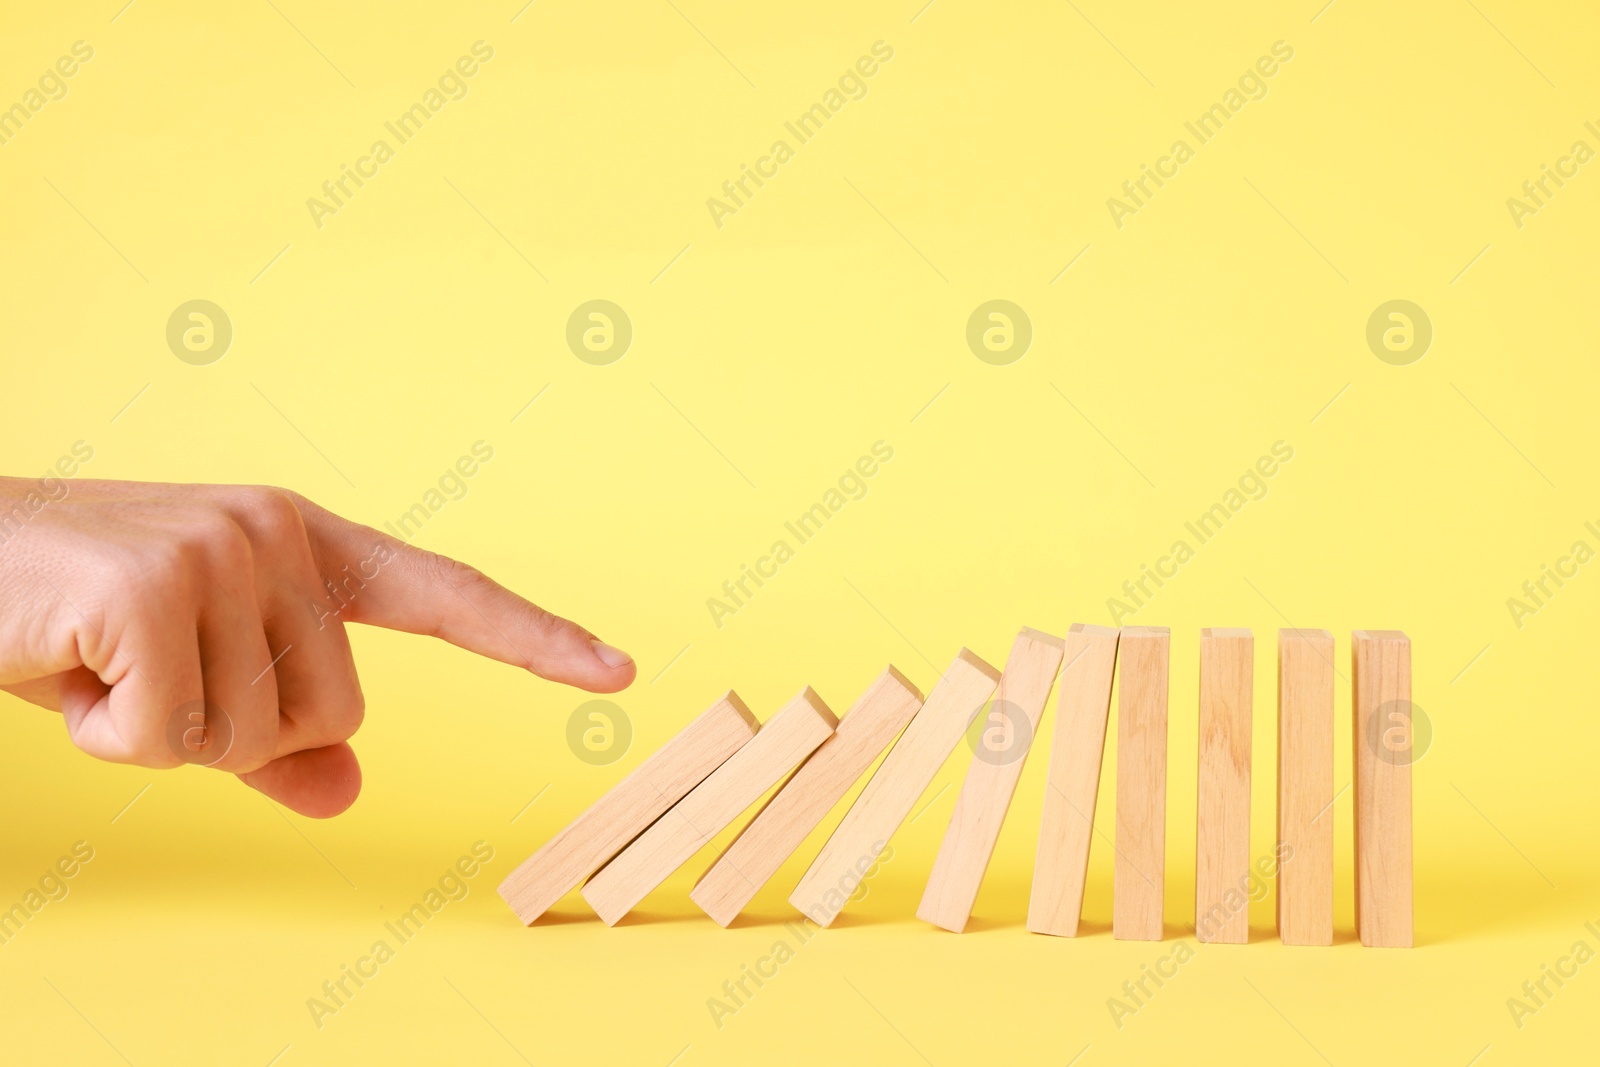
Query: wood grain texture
x=888, y=798
x=606, y=827
x=1305, y=787
x=1012, y=721
x=1139, y=881
x=1381, y=681
x=784, y=740
x=753, y=857
x=1073, y=783
x=1222, y=821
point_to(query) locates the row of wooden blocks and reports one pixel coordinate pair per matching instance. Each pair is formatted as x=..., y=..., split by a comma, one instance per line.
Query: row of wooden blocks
x=660, y=815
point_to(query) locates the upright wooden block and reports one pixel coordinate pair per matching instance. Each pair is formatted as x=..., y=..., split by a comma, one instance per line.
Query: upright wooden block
x=1139, y=883
x=888, y=798
x=1305, y=787
x=630, y=806
x=1222, y=825
x=1012, y=721
x=772, y=836
x=1073, y=783
x=1381, y=680
x=786, y=739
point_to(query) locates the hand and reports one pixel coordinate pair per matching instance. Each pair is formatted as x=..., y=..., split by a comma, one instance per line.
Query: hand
x=178, y=624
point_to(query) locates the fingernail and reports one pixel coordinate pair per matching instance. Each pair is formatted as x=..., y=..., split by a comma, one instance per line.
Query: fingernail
x=611, y=657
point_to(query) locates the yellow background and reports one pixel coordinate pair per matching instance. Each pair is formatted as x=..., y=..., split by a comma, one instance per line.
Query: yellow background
x=1226, y=315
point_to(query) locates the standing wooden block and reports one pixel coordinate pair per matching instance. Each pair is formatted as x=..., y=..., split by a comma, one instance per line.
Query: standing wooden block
x=630, y=806
x=1305, y=787
x=786, y=739
x=1222, y=827
x=888, y=798
x=1073, y=784
x=1381, y=679
x=991, y=781
x=1139, y=883
x=772, y=836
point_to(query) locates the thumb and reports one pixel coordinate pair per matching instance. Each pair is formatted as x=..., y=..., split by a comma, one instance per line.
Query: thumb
x=382, y=581
x=316, y=782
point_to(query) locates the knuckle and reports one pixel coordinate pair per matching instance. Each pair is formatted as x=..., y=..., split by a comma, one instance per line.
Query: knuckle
x=137, y=754
x=269, y=514
x=254, y=742
x=338, y=715
x=459, y=578
x=194, y=543
x=452, y=572
x=164, y=568
x=546, y=625
x=305, y=508
x=212, y=540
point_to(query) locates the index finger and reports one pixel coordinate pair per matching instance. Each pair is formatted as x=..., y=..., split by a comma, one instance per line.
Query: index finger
x=382, y=581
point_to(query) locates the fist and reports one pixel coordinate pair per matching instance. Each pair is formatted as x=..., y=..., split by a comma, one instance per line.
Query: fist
x=174, y=624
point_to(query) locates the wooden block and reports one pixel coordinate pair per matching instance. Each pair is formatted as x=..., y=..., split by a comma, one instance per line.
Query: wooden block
x=1074, y=780
x=1139, y=883
x=630, y=806
x=1381, y=680
x=786, y=739
x=1012, y=721
x=1305, y=787
x=783, y=823
x=1222, y=825
x=888, y=798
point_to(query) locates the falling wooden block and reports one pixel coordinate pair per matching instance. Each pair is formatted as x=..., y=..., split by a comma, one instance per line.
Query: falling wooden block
x=630, y=806
x=1305, y=787
x=888, y=798
x=1073, y=783
x=969, y=840
x=1139, y=882
x=784, y=740
x=1222, y=826
x=783, y=823
x=1381, y=681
